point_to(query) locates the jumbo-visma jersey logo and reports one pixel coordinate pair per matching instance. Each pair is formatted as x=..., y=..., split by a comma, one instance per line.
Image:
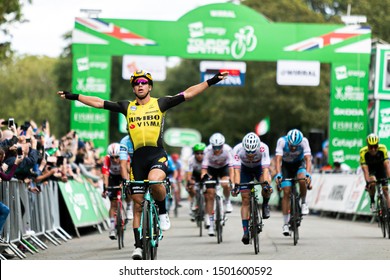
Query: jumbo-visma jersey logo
x=150, y=120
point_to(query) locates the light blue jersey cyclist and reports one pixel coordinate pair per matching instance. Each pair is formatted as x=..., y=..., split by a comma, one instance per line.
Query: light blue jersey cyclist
x=125, y=155
x=293, y=160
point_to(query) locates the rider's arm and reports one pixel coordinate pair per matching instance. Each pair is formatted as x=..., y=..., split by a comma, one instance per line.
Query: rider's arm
x=365, y=172
x=266, y=175
x=196, y=89
x=231, y=174
x=124, y=169
x=278, y=164
x=308, y=163
x=237, y=175
x=92, y=101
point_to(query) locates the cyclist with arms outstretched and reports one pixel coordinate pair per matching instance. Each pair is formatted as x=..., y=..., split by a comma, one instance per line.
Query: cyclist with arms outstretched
x=251, y=162
x=292, y=160
x=375, y=164
x=145, y=120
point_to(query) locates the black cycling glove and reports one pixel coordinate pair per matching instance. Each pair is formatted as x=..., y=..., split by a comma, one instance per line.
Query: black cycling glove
x=205, y=178
x=214, y=80
x=71, y=96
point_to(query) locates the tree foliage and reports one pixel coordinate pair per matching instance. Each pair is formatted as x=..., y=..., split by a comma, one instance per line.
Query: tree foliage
x=29, y=88
x=10, y=12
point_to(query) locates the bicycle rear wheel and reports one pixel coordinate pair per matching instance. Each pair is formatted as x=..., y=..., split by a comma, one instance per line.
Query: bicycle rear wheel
x=119, y=225
x=218, y=218
x=146, y=250
x=255, y=224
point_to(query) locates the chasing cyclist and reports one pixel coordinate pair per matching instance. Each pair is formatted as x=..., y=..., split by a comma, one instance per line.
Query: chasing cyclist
x=292, y=160
x=145, y=119
x=217, y=163
x=251, y=162
x=193, y=172
x=375, y=164
x=111, y=171
x=125, y=155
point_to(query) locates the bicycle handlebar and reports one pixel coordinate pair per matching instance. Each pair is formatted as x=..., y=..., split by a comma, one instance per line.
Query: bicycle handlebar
x=381, y=180
x=209, y=182
x=251, y=184
x=147, y=182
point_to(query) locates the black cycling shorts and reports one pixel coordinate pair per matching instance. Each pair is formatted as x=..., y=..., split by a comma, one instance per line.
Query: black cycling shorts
x=144, y=160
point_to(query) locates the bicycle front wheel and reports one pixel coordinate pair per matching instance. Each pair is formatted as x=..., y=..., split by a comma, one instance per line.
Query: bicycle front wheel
x=294, y=216
x=119, y=225
x=154, y=235
x=255, y=224
x=146, y=250
x=382, y=217
x=218, y=218
x=200, y=212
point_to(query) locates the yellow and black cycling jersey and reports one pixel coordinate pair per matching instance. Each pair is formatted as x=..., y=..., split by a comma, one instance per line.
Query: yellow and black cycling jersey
x=373, y=160
x=145, y=122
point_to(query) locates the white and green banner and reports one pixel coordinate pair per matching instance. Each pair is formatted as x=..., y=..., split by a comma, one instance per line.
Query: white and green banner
x=91, y=76
x=348, y=112
x=84, y=203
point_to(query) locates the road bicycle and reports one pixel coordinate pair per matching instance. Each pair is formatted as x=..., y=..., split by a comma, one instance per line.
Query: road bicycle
x=200, y=209
x=149, y=229
x=219, y=212
x=295, y=209
x=120, y=217
x=382, y=211
x=171, y=200
x=255, y=217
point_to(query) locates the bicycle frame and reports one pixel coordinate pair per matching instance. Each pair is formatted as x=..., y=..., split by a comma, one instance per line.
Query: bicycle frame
x=295, y=208
x=255, y=219
x=220, y=214
x=199, y=212
x=152, y=234
x=119, y=216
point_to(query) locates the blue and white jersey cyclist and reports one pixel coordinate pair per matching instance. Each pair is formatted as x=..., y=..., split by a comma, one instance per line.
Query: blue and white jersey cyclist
x=125, y=156
x=251, y=162
x=292, y=160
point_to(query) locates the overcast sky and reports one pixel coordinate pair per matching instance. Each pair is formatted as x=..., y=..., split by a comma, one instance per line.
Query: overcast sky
x=48, y=20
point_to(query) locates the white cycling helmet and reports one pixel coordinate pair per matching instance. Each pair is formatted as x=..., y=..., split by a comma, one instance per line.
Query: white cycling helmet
x=217, y=140
x=113, y=149
x=251, y=142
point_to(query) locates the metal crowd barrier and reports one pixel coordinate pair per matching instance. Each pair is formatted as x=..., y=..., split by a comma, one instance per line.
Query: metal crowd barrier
x=33, y=218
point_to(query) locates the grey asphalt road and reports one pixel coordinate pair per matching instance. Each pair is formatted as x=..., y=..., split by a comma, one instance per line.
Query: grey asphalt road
x=321, y=238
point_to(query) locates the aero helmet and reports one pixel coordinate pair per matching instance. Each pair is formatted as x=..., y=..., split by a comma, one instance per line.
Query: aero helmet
x=217, y=139
x=114, y=149
x=199, y=147
x=141, y=74
x=294, y=137
x=372, y=139
x=251, y=142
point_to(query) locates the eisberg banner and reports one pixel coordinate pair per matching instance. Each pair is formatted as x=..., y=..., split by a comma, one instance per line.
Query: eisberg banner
x=223, y=31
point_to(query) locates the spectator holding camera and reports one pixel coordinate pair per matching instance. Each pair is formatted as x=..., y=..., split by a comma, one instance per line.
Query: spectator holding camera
x=9, y=137
x=28, y=150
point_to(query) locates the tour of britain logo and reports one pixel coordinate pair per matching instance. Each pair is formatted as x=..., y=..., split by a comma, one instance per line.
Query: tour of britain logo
x=244, y=41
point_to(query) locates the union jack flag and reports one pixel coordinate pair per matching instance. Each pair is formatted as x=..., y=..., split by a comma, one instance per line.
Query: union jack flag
x=332, y=38
x=114, y=31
